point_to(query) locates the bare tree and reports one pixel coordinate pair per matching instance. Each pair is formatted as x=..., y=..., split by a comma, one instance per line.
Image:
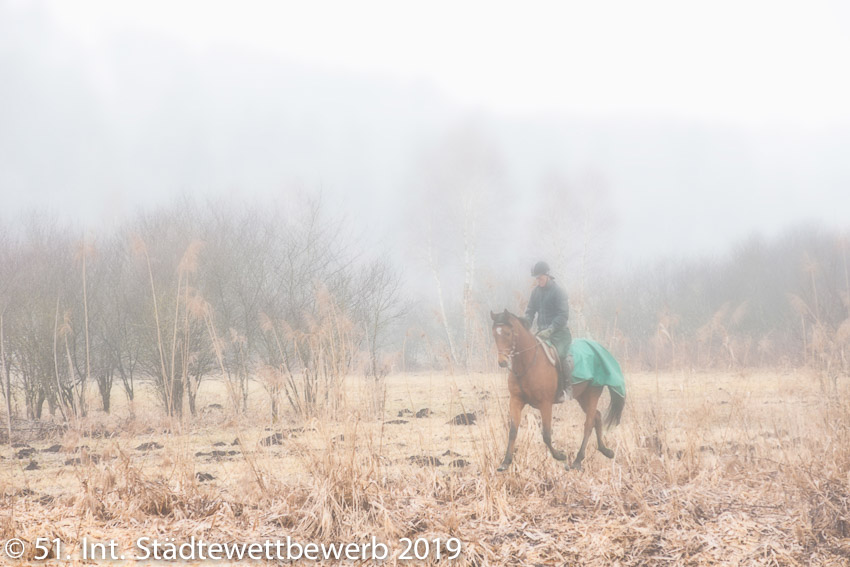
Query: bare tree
x=119, y=332
x=9, y=259
x=30, y=319
x=236, y=267
x=458, y=198
x=379, y=304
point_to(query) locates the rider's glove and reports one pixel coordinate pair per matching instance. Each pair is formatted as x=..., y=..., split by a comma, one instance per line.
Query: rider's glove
x=545, y=333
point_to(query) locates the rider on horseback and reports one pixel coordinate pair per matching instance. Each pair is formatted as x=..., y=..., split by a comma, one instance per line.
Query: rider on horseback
x=549, y=302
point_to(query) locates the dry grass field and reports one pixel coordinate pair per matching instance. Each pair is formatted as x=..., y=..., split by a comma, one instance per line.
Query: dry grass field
x=735, y=469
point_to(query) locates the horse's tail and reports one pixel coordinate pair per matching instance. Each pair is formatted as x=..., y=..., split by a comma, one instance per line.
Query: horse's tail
x=615, y=410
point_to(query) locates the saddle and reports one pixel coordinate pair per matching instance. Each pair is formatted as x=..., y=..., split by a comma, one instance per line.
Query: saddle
x=552, y=355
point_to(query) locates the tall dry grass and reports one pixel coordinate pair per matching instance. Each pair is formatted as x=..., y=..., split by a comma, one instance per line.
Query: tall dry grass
x=711, y=468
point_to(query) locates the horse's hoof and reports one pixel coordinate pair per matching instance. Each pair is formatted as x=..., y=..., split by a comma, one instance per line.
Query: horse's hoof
x=502, y=468
x=573, y=467
x=607, y=452
x=559, y=456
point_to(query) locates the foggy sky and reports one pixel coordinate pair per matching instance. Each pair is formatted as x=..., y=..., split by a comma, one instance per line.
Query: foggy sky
x=93, y=127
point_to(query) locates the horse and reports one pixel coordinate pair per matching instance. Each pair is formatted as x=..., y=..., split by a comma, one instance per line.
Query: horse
x=533, y=380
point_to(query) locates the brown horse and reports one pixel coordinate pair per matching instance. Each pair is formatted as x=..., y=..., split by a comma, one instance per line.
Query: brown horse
x=533, y=380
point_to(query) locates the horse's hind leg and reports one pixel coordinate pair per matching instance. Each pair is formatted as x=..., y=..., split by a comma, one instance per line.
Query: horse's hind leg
x=588, y=401
x=546, y=415
x=597, y=424
x=588, y=429
x=516, y=414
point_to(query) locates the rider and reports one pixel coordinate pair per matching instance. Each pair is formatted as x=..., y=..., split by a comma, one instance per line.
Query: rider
x=549, y=302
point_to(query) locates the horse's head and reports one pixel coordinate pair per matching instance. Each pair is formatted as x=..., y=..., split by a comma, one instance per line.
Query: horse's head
x=505, y=334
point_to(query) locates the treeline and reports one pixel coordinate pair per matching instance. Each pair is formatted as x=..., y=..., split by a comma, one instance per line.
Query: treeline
x=185, y=292
x=781, y=302
x=287, y=298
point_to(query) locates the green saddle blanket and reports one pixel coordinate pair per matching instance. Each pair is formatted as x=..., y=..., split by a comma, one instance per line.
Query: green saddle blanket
x=592, y=362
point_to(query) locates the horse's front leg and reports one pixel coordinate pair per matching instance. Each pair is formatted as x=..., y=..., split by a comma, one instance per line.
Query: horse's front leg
x=546, y=415
x=515, y=415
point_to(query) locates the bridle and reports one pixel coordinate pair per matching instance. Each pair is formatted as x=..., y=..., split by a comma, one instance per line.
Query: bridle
x=514, y=352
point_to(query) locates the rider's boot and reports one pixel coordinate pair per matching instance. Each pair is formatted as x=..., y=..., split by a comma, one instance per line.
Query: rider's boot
x=564, y=382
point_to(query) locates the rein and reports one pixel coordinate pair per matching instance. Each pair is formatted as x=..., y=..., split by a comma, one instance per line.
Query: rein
x=514, y=352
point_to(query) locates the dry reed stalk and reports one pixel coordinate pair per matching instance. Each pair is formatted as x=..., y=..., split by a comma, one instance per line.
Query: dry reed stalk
x=258, y=477
x=141, y=248
x=7, y=380
x=85, y=251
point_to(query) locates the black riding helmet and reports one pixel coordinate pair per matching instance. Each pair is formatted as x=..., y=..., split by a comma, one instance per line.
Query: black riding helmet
x=540, y=269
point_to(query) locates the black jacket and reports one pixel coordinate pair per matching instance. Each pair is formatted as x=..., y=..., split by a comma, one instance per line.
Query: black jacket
x=550, y=305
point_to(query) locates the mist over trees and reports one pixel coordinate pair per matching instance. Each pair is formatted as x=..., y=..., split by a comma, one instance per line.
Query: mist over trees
x=778, y=303
x=290, y=300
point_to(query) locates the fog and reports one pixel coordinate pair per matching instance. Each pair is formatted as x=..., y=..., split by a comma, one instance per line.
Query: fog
x=106, y=111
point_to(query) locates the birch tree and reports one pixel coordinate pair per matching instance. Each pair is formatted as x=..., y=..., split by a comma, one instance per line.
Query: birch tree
x=460, y=193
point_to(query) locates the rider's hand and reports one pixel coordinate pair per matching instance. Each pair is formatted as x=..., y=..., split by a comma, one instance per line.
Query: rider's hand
x=545, y=333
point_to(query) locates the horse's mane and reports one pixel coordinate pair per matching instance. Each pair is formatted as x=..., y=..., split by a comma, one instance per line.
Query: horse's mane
x=506, y=317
